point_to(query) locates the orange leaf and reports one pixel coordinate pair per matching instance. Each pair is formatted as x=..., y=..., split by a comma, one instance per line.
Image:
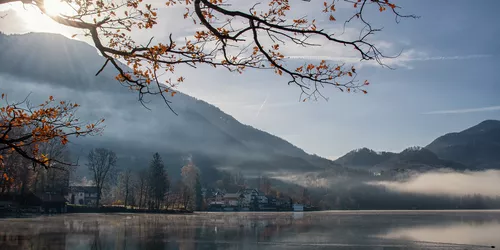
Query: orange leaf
x=364, y=91
x=64, y=141
x=73, y=36
x=51, y=98
x=332, y=18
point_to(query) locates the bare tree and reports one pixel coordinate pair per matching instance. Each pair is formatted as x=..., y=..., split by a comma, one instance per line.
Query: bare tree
x=56, y=177
x=101, y=163
x=191, y=178
x=141, y=186
x=125, y=184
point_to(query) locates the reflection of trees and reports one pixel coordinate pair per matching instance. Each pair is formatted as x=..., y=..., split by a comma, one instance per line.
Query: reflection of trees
x=96, y=240
x=215, y=230
x=32, y=237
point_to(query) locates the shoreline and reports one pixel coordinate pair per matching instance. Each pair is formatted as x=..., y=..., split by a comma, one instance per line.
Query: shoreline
x=185, y=212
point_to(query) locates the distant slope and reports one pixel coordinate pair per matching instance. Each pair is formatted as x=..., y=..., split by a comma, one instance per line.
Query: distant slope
x=363, y=158
x=478, y=146
x=414, y=158
x=417, y=159
x=49, y=64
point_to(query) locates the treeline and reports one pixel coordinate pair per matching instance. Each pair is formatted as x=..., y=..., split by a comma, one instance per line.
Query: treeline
x=151, y=187
x=144, y=188
x=367, y=197
x=19, y=174
x=352, y=194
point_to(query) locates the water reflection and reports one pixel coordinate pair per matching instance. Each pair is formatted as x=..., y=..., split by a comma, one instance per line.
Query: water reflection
x=320, y=230
x=459, y=233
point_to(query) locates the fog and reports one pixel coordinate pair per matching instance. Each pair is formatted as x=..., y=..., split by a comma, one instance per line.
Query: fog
x=304, y=179
x=486, y=183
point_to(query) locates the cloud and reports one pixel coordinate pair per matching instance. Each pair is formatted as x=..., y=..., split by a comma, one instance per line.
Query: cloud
x=402, y=60
x=463, y=111
x=262, y=106
x=304, y=179
x=449, y=183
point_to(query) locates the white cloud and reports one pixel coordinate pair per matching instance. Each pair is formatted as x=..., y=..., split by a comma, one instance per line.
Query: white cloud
x=463, y=111
x=404, y=60
x=262, y=106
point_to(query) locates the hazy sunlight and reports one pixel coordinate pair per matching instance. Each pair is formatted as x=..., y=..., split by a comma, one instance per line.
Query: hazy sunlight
x=57, y=7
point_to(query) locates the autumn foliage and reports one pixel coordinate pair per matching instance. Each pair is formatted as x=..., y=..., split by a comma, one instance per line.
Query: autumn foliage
x=233, y=34
x=25, y=128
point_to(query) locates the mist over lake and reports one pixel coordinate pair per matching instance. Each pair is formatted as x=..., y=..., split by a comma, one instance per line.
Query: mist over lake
x=309, y=230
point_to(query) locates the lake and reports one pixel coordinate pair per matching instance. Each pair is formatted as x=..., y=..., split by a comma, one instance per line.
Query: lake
x=210, y=231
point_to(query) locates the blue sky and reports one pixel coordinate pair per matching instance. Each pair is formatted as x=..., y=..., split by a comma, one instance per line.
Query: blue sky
x=447, y=79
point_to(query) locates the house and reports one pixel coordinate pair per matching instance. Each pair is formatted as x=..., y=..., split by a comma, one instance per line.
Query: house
x=232, y=200
x=262, y=198
x=82, y=195
x=298, y=207
x=248, y=196
x=271, y=200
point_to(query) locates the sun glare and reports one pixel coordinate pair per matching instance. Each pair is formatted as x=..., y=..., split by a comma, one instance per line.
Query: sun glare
x=57, y=7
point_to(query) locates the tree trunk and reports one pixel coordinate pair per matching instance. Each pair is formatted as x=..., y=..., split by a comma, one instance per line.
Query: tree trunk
x=126, y=197
x=98, y=197
x=140, y=199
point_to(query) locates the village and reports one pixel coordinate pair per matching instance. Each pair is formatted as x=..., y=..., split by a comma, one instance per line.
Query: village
x=248, y=199
x=84, y=198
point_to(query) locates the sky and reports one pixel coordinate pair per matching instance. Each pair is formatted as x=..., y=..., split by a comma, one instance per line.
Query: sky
x=445, y=80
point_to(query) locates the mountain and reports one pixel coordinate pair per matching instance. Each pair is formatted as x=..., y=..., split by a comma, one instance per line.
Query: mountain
x=49, y=64
x=418, y=159
x=363, y=158
x=478, y=146
x=414, y=159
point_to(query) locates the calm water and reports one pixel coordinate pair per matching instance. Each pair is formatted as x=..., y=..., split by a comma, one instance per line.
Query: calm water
x=315, y=230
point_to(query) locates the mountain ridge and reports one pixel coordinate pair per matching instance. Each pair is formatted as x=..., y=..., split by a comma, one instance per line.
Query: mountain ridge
x=201, y=129
x=477, y=146
x=214, y=139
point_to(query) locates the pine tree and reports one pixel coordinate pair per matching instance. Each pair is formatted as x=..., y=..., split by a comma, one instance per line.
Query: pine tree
x=158, y=182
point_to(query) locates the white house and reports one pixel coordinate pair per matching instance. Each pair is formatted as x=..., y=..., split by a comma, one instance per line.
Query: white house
x=298, y=207
x=82, y=195
x=232, y=200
